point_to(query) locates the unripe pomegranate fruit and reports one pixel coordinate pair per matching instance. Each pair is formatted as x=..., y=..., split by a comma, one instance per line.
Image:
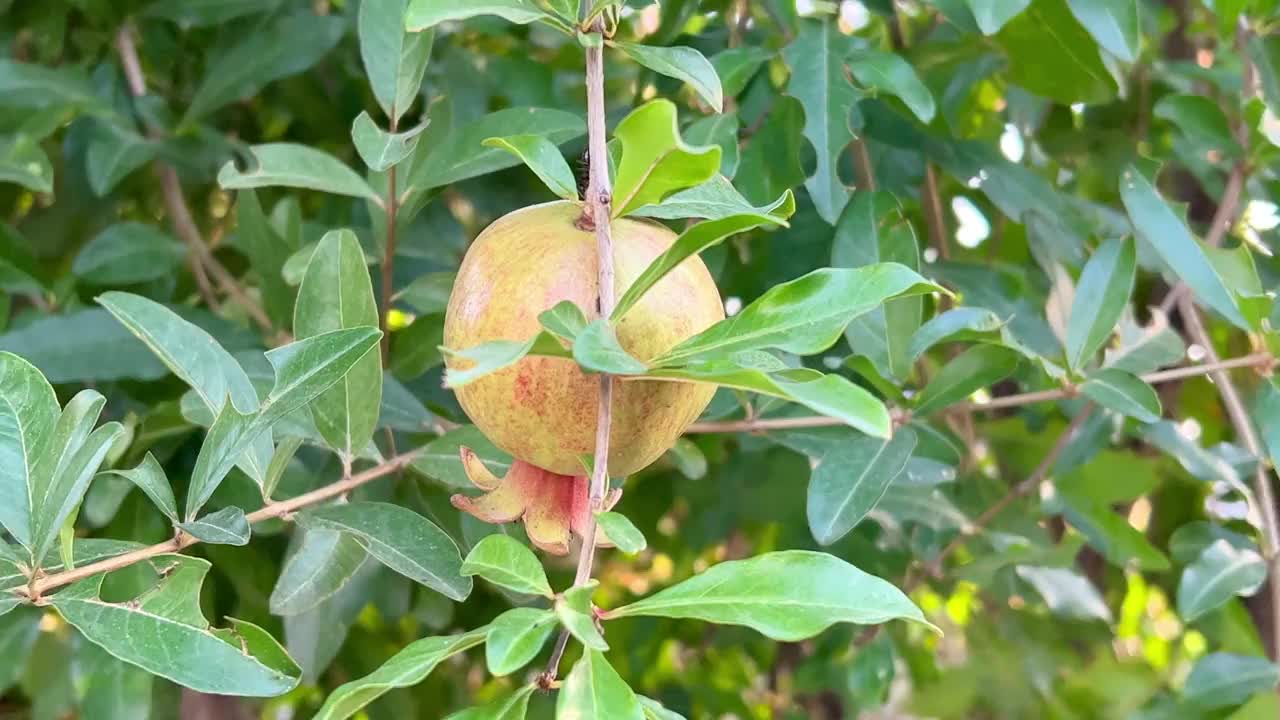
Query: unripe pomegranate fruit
x=543, y=410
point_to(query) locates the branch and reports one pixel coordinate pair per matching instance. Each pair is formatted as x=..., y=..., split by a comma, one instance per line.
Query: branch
x=1261, y=360
x=282, y=510
x=1022, y=489
x=598, y=208
x=200, y=258
x=389, y=257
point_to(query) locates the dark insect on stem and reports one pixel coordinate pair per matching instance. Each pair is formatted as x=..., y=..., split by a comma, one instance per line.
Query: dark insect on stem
x=582, y=172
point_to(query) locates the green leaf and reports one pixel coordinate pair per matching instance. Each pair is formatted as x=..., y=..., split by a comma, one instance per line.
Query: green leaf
x=429, y=293
x=516, y=637
x=594, y=690
x=401, y=539
x=495, y=355
x=1190, y=540
x=1221, y=572
x=819, y=81
x=1050, y=54
x=873, y=229
x=653, y=710
x=379, y=149
x=890, y=73
x=150, y=478
x=286, y=46
x=394, y=59
x=1144, y=349
x=505, y=561
x=23, y=162
x=978, y=367
x=736, y=66
x=28, y=414
x=596, y=349
x=297, y=166
x=1124, y=393
x=336, y=293
x=804, y=316
x=655, y=160
x=543, y=158
x=681, y=63
x=416, y=349
x=693, y=241
x=830, y=395
x=227, y=526
x=1266, y=414
x=1111, y=534
x=564, y=319
x=322, y=564
x=126, y=253
x=164, y=632
x=423, y=14
x=405, y=669
x=991, y=15
x=1067, y=593
x=1223, y=680
x=578, y=615
x=114, y=152
x=621, y=532
x=717, y=199
x=199, y=13
x=303, y=370
x=1113, y=23
x=439, y=458
x=461, y=153
x=850, y=480
x=1100, y=298
x=512, y=707
x=956, y=323
x=268, y=253
x=1200, y=121
x=721, y=129
x=32, y=85
x=789, y=596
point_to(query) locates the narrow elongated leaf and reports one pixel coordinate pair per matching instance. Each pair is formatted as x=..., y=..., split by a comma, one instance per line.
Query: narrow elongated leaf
x=681, y=63
x=405, y=669
x=116, y=690
x=830, y=395
x=268, y=252
x=1113, y=23
x=656, y=162
x=199, y=13
x=594, y=689
x=164, y=632
x=1157, y=225
x=461, y=153
x=379, y=149
x=516, y=637
x=991, y=15
x=32, y=85
x=126, y=253
x=717, y=199
x=227, y=526
x=543, y=158
x=1124, y=393
x=596, y=349
x=495, y=355
x=505, y=561
x=115, y=152
x=978, y=367
x=1101, y=297
x=577, y=615
x=654, y=710
x=512, y=707
x=1224, y=679
x=28, y=414
x=297, y=166
x=889, y=73
x=423, y=14
x=18, y=633
x=621, y=532
x=440, y=459
x=804, y=316
x=956, y=323
x=23, y=162
x=321, y=566
x=789, y=596
x=564, y=319
x=1221, y=572
x=401, y=539
x=394, y=59
x=850, y=480
x=336, y=293
x=819, y=81
x=150, y=478
x=1052, y=55
x=1066, y=592
x=691, y=242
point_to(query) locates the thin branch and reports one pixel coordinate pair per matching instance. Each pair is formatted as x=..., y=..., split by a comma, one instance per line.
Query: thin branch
x=1243, y=426
x=1261, y=361
x=203, y=263
x=866, y=170
x=596, y=214
x=931, y=202
x=282, y=510
x=1022, y=489
x=389, y=258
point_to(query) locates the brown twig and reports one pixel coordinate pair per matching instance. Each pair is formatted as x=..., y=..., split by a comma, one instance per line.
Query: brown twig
x=596, y=214
x=931, y=202
x=283, y=510
x=1022, y=489
x=203, y=263
x=389, y=257
x=862, y=157
x=1261, y=360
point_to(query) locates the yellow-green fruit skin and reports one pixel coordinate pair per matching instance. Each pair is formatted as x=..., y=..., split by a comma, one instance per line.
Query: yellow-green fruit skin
x=543, y=410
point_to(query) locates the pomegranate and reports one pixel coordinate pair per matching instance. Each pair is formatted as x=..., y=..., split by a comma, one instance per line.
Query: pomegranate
x=543, y=410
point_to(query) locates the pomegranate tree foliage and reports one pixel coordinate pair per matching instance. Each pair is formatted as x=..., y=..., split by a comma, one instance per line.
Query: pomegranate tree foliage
x=965, y=381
